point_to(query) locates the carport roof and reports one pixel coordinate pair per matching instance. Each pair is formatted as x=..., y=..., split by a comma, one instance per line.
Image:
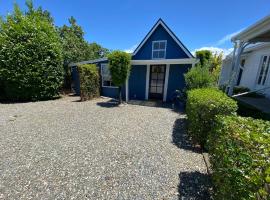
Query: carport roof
x=258, y=32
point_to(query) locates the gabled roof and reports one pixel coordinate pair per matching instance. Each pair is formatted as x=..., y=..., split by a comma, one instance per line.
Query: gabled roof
x=175, y=38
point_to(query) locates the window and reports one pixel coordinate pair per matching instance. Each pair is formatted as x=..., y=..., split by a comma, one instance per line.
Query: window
x=263, y=70
x=106, y=76
x=159, y=49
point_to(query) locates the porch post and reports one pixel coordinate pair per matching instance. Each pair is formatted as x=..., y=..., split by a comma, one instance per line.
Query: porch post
x=167, y=72
x=147, y=81
x=127, y=89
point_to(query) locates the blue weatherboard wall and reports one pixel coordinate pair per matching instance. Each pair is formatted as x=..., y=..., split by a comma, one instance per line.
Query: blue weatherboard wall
x=173, y=50
x=76, y=80
x=137, y=81
x=176, y=79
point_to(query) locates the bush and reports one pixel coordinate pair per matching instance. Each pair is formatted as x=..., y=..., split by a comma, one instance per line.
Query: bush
x=119, y=64
x=199, y=77
x=89, y=81
x=30, y=57
x=202, y=107
x=240, y=152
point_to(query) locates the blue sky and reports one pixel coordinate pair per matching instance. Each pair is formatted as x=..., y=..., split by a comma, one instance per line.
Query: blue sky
x=122, y=24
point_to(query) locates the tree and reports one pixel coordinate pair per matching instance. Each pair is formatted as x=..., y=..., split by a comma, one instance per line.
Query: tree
x=76, y=48
x=119, y=65
x=30, y=56
x=204, y=56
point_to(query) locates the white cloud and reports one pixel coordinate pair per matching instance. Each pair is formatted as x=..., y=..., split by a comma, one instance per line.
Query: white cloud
x=131, y=49
x=215, y=50
x=227, y=37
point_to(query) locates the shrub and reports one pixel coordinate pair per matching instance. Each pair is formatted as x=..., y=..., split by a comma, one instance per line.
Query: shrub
x=119, y=64
x=30, y=57
x=89, y=81
x=202, y=107
x=240, y=152
x=199, y=77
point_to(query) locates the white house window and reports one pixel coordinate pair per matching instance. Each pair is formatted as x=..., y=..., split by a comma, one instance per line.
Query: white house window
x=106, y=76
x=263, y=70
x=159, y=49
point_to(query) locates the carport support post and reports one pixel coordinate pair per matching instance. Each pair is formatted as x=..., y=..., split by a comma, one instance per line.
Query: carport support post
x=236, y=66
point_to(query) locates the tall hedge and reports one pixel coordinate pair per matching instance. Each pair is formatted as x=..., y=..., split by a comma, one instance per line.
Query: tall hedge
x=89, y=81
x=30, y=57
x=202, y=107
x=240, y=158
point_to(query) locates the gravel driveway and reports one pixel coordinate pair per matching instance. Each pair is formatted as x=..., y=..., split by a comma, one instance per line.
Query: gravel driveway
x=64, y=149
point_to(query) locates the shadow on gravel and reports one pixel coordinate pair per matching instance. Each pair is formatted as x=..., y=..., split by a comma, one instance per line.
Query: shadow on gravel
x=109, y=104
x=194, y=185
x=180, y=137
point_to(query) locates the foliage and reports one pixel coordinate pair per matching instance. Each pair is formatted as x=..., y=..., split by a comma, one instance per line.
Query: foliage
x=240, y=152
x=211, y=61
x=89, y=81
x=119, y=64
x=30, y=56
x=202, y=107
x=198, y=77
x=204, y=56
x=75, y=47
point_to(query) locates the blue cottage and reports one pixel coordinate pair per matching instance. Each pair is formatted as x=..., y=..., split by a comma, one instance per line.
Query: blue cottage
x=158, y=66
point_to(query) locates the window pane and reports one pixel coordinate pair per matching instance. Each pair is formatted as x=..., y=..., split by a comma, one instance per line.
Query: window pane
x=153, y=82
x=154, y=76
x=162, y=45
x=155, y=54
x=161, y=76
x=159, y=90
x=153, y=89
x=160, y=83
x=156, y=45
x=161, y=54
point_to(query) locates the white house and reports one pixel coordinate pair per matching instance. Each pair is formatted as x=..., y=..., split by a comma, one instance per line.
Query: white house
x=249, y=64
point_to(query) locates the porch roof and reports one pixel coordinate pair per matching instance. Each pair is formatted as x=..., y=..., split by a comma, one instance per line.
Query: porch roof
x=165, y=61
x=258, y=32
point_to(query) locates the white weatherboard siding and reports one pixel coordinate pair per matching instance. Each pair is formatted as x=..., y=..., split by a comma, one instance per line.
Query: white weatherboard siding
x=251, y=70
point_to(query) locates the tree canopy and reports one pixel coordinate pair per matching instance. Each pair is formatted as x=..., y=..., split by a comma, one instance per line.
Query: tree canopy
x=119, y=65
x=30, y=56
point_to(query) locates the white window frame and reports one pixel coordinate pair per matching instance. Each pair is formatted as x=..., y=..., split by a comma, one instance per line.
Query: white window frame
x=102, y=65
x=153, y=50
x=259, y=70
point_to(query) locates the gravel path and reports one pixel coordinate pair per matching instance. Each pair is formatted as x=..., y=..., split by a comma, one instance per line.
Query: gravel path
x=64, y=149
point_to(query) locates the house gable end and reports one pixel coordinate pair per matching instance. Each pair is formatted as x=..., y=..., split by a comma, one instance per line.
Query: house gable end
x=174, y=48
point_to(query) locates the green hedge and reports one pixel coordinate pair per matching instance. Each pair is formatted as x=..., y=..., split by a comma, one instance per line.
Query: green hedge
x=240, y=158
x=202, y=107
x=89, y=81
x=31, y=63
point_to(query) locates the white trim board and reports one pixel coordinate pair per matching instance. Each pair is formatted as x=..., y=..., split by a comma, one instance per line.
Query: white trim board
x=165, y=61
x=147, y=82
x=160, y=22
x=167, y=72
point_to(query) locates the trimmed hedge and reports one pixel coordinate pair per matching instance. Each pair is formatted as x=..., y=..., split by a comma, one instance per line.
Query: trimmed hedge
x=31, y=63
x=89, y=81
x=202, y=107
x=240, y=158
